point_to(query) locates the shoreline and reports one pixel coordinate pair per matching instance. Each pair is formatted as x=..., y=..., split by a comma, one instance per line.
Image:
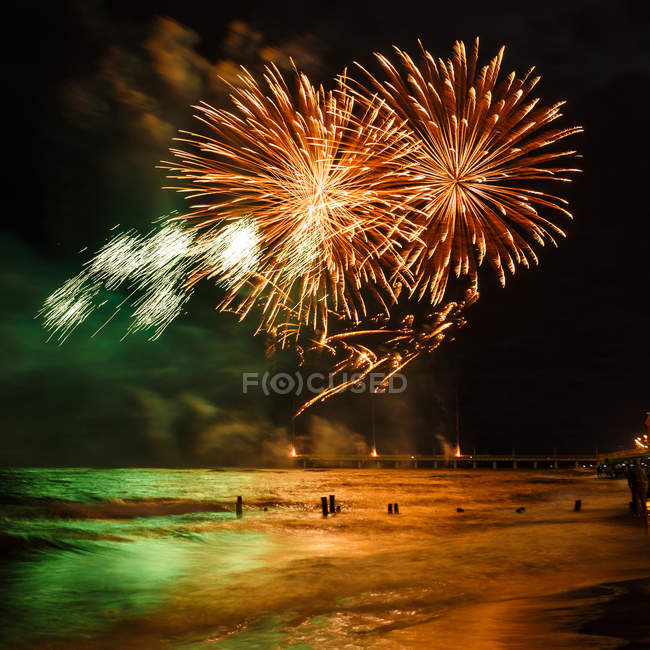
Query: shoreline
x=603, y=615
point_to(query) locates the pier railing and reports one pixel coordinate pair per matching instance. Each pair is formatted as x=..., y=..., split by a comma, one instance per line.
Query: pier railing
x=435, y=461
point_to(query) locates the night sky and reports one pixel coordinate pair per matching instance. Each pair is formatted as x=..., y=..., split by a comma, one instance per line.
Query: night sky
x=94, y=92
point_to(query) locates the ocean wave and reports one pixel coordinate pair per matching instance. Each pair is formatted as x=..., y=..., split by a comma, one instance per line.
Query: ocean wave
x=116, y=508
x=13, y=545
x=111, y=508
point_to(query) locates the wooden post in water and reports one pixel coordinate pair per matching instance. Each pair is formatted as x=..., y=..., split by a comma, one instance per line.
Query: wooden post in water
x=332, y=504
x=577, y=505
x=238, y=507
x=396, y=508
x=323, y=504
x=390, y=508
x=494, y=464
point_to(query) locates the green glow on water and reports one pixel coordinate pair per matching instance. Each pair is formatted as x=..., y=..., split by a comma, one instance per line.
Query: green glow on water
x=90, y=485
x=97, y=583
x=75, y=576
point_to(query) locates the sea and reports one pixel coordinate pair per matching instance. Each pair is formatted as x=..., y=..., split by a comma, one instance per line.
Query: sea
x=157, y=558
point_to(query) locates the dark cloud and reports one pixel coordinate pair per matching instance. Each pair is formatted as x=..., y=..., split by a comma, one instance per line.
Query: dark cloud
x=146, y=88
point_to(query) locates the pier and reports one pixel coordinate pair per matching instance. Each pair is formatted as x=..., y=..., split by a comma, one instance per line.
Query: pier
x=624, y=455
x=438, y=461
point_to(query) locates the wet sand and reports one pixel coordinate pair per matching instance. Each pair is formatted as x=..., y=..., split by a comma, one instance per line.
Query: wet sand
x=605, y=615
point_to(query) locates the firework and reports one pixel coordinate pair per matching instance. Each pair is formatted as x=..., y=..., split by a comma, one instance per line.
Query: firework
x=154, y=271
x=317, y=179
x=386, y=345
x=231, y=254
x=481, y=141
x=316, y=210
x=69, y=306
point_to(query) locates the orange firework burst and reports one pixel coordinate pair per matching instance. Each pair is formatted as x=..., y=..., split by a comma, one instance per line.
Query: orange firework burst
x=312, y=177
x=480, y=142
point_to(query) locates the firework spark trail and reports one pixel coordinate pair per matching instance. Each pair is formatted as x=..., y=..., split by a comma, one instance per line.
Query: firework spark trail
x=481, y=140
x=317, y=175
x=164, y=262
x=232, y=253
x=65, y=309
x=357, y=350
x=155, y=270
